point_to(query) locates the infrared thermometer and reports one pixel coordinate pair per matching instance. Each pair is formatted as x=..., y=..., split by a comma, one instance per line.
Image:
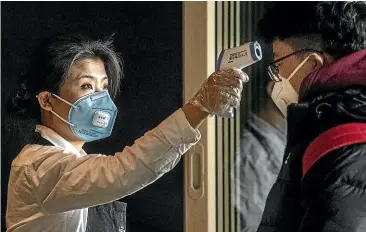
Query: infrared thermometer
x=240, y=57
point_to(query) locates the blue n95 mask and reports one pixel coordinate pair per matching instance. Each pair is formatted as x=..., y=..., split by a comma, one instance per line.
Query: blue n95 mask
x=92, y=116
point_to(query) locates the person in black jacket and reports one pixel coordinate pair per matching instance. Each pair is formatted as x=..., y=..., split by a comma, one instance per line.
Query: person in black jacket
x=319, y=74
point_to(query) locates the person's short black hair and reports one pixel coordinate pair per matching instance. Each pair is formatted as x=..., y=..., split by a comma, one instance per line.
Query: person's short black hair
x=51, y=63
x=337, y=28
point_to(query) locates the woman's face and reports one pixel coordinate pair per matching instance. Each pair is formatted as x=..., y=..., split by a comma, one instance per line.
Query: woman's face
x=86, y=76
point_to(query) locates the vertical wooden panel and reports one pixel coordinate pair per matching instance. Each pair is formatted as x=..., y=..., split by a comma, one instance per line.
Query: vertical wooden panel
x=198, y=64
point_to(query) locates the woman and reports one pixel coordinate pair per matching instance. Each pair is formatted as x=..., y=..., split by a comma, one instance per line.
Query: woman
x=69, y=88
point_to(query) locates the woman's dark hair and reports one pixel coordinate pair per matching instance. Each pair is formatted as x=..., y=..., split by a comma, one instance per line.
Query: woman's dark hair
x=338, y=28
x=50, y=67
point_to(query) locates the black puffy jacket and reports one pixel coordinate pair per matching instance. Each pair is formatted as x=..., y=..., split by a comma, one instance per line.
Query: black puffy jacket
x=332, y=195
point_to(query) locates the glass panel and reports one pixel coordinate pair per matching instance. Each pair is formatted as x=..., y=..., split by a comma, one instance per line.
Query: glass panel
x=249, y=148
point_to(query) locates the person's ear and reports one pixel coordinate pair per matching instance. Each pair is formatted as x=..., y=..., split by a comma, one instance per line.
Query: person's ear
x=318, y=60
x=44, y=100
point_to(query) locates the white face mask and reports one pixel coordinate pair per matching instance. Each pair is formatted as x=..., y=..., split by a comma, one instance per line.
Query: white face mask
x=283, y=93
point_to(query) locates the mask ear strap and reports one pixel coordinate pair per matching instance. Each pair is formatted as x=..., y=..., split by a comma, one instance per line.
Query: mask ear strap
x=68, y=103
x=57, y=115
x=62, y=119
x=299, y=66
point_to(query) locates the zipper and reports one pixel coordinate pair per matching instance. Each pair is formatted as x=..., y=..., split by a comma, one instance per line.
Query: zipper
x=288, y=157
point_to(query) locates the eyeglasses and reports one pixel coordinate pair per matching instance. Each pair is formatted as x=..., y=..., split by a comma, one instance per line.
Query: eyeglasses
x=273, y=70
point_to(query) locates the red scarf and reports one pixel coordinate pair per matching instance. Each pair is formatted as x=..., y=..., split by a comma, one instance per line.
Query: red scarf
x=345, y=73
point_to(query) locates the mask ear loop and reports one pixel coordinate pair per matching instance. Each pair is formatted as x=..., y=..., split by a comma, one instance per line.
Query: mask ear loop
x=57, y=115
x=68, y=103
x=62, y=119
x=299, y=66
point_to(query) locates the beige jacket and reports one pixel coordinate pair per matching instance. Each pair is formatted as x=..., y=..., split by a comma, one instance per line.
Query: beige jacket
x=51, y=187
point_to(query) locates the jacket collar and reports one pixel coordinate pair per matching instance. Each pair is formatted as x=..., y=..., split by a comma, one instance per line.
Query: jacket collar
x=348, y=72
x=57, y=140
